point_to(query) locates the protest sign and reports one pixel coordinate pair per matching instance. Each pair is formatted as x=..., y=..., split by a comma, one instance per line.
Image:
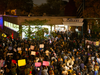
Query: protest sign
x=22, y=62
x=32, y=47
x=14, y=61
x=41, y=46
x=15, y=50
x=33, y=53
x=9, y=53
x=10, y=48
x=2, y=63
x=88, y=46
x=97, y=43
x=38, y=64
x=46, y=63
x=19, y=48
x=26, y=49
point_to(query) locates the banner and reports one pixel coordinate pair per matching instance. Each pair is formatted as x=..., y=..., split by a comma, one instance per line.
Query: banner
x=33, y=53
x=46, y=63
x=41, y=46
x=38, y=64
x=94, y=43
x=22, y=62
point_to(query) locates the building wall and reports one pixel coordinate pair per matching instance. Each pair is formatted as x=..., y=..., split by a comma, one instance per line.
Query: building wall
x=12, y=19
x=51, y=20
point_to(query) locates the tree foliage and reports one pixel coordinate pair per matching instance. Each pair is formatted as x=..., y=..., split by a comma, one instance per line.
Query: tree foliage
x=91, y=9
x=25, y=5
x=2, y=6
x=52, y=7
x=28, y=30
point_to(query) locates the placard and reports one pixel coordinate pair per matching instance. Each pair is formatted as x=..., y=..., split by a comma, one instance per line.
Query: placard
x=10, y=48
x=22, y=62
x=33, y=53
x=32, y=47
x=26, y=49
x=15, y=50
x=88, y=46
x=2, y=63
x=19, y=49
x=46, y=63
x=97, y=43
x=9, y=53
x=38, y=64
x=41, y=46
x=14, y=61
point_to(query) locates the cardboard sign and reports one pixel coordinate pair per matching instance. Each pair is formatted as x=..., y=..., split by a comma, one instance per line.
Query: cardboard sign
x=41, y=46
x=26, y=49
x=97, y=43
x=15, y=50
x=9, y=53
x=46, y=63
x=32, y=47
x=88, y=46
x=38, y=64
x=2, y=62
x=33, y=53
x=19, y=49
x=22, y=62
x=10, y=48
x=14, y=61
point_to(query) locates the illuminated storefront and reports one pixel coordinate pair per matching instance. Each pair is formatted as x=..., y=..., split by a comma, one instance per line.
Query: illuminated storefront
x=53, y=23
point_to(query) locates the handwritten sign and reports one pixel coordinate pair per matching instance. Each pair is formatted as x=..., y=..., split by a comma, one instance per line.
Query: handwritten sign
x=18, y=48
x=32, y=47
x=10, y=48
x=38, y=64
x=2, y=63
x=46, y=63
x=22, y=62
x=41, y=46
x=9, y=53
x=97, y=43
x=14, y=61
x=33, y=53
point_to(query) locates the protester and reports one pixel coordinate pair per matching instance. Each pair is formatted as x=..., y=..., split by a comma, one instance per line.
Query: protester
x=58, y=56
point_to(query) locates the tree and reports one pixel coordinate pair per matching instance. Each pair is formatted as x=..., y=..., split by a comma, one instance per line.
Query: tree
x=91, y=9
x=39, y=33
x=3, y=6
x=25, y=5
x=52, y=7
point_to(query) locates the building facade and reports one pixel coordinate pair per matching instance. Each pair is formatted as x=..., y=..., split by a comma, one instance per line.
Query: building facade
x=12, y=24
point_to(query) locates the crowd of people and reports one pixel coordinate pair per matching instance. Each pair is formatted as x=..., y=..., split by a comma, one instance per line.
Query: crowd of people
x=67, y=55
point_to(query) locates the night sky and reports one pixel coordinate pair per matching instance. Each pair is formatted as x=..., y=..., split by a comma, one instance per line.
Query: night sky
x=39, y=2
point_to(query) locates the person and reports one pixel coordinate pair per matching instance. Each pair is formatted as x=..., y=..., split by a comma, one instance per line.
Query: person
x=45, y=71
